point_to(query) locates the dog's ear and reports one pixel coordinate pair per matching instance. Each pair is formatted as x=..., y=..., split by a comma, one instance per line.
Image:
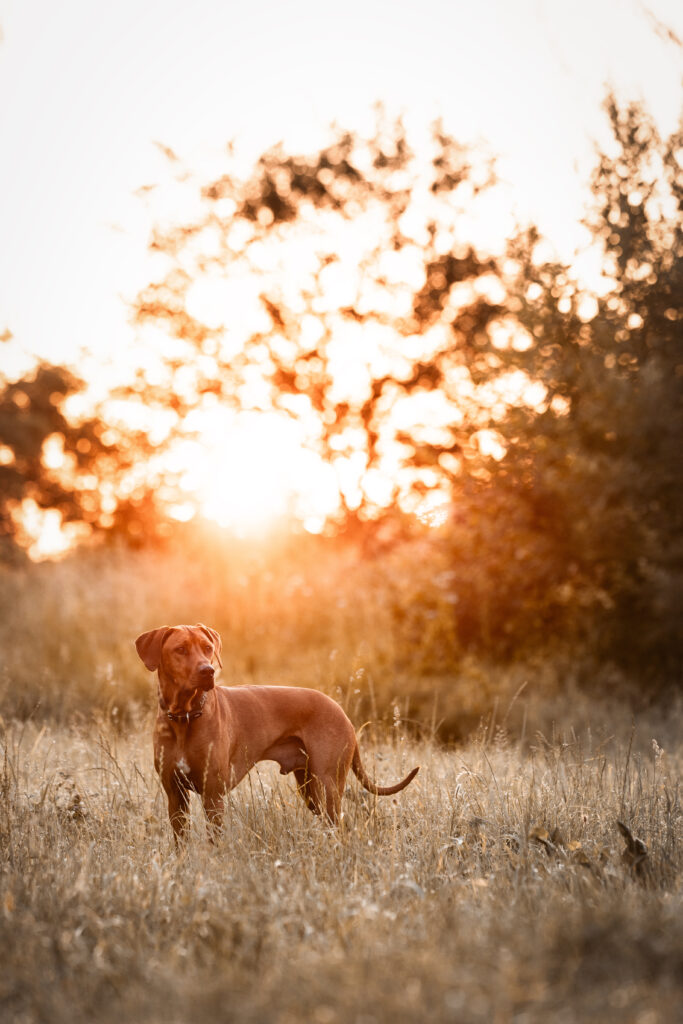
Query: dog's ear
x=215, y=639
x=148, y=646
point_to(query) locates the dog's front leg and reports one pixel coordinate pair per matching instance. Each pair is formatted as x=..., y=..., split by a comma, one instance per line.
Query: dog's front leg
x=213, y=808
x=178, y=810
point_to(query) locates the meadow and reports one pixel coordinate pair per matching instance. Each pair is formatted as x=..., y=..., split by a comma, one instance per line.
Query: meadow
x=499, y=886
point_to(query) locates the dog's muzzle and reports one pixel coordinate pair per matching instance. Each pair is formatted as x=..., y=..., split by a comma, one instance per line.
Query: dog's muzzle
x=205, y=676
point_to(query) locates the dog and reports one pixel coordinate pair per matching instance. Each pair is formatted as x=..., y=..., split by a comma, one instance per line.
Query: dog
x=207, y=737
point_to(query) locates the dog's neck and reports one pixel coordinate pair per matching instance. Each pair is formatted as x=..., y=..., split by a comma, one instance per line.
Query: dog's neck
x=184, y=717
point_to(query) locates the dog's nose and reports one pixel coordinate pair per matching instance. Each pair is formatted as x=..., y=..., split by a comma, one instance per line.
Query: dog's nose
x=206, y=674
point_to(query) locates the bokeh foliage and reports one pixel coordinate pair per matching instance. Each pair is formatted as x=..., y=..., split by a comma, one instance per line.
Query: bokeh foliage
x=81, y=466
x=547, y=422
x=581, y=521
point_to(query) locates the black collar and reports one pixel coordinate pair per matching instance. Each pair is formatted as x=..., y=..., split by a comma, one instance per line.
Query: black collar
x=185, y=716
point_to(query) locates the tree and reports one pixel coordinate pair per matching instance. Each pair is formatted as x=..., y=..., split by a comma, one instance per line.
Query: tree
x=81, y=468
x=319, y=287
x=420, y=367
x=595, y=468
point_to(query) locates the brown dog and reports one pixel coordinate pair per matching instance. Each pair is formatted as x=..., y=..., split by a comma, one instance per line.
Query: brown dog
x=208, y=737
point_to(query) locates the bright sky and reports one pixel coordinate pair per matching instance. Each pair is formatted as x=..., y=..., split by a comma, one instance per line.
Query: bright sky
x=86, y=88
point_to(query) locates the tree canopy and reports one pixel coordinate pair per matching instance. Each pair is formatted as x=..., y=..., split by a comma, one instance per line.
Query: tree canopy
x=348, y=292
x=320, y=288
x=79, y=466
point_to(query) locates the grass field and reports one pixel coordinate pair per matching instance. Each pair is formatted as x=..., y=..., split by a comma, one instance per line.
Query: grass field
x=377, y=634
x=497, y=887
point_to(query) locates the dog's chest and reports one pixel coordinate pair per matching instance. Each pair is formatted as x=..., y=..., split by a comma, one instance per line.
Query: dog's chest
x=173, y=756
x=186, y=765
x=193, y=758
x=193, y=764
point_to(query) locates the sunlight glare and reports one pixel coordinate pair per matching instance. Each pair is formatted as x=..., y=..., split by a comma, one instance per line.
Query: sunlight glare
x=251, y=471
x=44, y=533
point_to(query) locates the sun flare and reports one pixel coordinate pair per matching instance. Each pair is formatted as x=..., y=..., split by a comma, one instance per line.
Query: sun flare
x=250, y=471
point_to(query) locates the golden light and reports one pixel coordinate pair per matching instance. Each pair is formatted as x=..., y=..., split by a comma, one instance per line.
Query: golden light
x=43, y=533
x=249, y=471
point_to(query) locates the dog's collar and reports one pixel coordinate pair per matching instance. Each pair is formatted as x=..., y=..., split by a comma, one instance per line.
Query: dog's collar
x=185, y=716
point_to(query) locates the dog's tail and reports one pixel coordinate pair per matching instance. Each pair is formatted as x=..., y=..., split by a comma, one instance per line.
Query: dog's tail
x=371, y=786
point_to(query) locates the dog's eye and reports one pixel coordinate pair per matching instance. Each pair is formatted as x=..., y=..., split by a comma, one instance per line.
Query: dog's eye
x=181, y=650
x=208, y=648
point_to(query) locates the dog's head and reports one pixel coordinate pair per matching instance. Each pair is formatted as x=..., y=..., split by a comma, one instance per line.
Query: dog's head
x=183, y=656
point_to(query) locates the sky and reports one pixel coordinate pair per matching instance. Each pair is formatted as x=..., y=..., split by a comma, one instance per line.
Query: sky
x=87, y=89
x=92, y=93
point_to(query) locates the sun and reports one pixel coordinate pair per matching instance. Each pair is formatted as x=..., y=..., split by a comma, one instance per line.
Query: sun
x=250, y=471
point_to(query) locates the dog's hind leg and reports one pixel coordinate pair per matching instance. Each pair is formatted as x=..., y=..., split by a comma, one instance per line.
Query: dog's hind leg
x=326, y=797
x=305, y=790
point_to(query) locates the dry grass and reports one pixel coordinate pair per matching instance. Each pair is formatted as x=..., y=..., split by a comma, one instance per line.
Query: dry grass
x=493, y=889
x=375, y=634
